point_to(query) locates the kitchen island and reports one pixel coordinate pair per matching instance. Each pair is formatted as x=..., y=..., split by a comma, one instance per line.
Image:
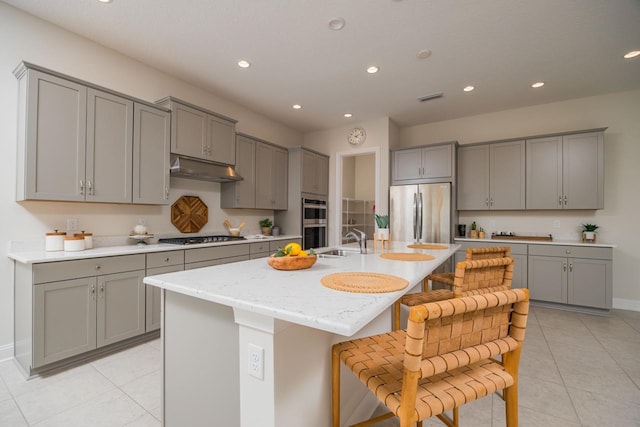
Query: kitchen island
x=221, y=322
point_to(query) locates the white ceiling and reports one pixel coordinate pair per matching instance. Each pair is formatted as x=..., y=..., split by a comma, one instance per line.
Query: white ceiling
x=499, y=46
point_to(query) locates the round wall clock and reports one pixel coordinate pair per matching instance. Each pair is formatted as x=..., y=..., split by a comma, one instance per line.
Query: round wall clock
x=356, y=136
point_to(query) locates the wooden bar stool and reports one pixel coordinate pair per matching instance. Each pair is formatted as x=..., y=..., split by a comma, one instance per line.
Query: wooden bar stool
x=470, y=278
x=445, y=358
x=471, y=254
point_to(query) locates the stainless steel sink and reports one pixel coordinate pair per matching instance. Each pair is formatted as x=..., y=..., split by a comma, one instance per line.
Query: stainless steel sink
x=330, y=253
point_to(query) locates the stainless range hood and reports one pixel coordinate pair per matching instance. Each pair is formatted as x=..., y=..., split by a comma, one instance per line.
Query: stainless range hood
x=186, y=167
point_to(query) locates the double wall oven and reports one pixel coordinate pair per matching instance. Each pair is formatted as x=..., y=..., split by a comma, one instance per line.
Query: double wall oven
x=314, y=222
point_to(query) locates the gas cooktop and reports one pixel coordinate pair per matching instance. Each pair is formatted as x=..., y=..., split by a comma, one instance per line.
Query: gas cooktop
x=194, y=240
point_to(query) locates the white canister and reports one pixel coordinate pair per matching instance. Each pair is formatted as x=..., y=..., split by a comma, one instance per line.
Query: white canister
x=73, y=243
x=88, y=239
x=54, y=241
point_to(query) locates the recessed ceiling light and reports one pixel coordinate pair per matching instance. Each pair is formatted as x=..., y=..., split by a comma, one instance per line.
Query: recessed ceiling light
x=372, y=70
x=468, y=88
x=537, y=84
x=244, y=64
x=105, y=1
x=632, y=54
x=423, y=54
x=347, y=115
x=297, y=106
x=337, y=23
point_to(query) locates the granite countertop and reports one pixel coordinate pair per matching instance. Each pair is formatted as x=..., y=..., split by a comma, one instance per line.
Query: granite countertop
x=298, y=296
x=39, y=255
x=538, y=242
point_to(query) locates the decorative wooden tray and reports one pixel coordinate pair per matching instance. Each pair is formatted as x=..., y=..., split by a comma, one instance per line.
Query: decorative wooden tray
x=516, y=237
x=189, y=214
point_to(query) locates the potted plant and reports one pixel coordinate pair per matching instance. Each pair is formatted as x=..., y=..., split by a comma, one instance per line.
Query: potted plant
x=589, y=232
x=474, y=232
x=266, y=224
x=382, y=222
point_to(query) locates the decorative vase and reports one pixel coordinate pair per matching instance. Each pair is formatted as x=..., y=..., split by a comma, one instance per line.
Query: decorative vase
x=266, y=231
x=383, y=234
x=480, y=234
x=473, y=234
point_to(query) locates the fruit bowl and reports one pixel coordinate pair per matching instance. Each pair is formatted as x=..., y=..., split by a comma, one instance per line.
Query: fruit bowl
x=292, y=262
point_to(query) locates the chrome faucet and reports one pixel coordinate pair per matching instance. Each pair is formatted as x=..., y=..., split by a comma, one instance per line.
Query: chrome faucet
x=361, y=238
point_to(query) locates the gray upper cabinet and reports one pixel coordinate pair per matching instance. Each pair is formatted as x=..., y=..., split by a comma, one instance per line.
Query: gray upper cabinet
x=315, y=173
x=109, y=148
x=151, y=144
x=492, y=176
x=76, y=142
x=51, y=138
x=271, y=177
x=566, y=172
x=199, y=133
x=264, y=168
x=432, y=163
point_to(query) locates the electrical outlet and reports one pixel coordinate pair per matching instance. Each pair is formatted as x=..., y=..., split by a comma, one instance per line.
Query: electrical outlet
x=556, y=223
x=256, y=361
x=72, y=224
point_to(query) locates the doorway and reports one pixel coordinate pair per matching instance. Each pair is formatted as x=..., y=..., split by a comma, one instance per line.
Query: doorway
x=356, y=193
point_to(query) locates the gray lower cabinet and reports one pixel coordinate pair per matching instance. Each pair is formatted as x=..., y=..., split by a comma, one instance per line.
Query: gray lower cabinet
x=217, y=255
x=159, y=263
x=571, y=275
x=518, y=253
x=265, y=249
x=413, y=165
x=566, y=171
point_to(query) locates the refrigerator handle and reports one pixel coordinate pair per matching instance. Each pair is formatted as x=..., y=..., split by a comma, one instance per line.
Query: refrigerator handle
x=415, y=216
x=421, y=212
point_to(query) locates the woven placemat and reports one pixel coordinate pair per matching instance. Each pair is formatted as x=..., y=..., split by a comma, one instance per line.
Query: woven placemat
x=367, y=283
x=407, y=256
x=426, y=246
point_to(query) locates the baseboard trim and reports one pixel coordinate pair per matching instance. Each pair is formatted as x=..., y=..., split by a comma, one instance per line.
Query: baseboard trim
x=626, y=304
x=6, y=352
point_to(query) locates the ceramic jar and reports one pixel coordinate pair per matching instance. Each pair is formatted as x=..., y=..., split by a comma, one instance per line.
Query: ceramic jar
x=88, y=239
x=54, y=241
x=73, y=243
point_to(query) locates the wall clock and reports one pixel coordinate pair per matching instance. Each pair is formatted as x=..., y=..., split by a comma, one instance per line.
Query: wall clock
x=356, y=136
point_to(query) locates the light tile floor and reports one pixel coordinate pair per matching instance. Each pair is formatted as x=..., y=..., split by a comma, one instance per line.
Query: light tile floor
x=576, y=370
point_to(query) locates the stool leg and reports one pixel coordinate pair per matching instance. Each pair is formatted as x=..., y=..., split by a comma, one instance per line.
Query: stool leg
x=396, y=315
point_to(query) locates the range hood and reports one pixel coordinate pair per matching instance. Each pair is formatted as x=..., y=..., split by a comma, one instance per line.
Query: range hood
x=187, y=167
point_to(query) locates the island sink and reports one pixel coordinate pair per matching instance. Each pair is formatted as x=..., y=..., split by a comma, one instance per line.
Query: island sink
x=334, y=252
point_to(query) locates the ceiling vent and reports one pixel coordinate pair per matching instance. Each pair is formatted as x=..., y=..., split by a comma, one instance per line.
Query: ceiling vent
x=431, y=96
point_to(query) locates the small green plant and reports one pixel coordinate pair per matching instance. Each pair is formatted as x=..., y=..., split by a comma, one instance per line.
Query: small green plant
x=266, y=222
x=589, y=227
x=473, y=225
x=382, y=221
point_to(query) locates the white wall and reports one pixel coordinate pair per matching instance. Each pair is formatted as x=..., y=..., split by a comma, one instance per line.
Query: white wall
x=24, y=37
x=365, y=169
x=333, y=142
x=618, y=221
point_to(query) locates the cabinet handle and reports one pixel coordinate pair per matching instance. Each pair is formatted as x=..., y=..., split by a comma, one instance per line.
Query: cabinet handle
x=486, y=202
x=89, y=188
x=166, y=259
x=565, y=200
x=166, y=193
x=570, y=267
x=567, y=251
x=560, y=200
x=97, y=266
x=101, y=290
x=81, y=187
x=564, y=266
x=93, y=292
x=491, y=201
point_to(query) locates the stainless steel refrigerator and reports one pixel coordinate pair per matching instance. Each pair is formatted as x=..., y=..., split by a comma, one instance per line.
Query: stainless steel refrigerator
x=421, y=213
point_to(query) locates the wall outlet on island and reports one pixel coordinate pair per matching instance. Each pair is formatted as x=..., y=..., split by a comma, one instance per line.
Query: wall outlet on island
x=556, y=223
x=256, y=361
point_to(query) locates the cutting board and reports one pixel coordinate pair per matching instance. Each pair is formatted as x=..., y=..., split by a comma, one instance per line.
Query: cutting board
x=189, y=214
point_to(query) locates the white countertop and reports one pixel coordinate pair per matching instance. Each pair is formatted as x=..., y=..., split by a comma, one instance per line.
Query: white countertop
x=298, y=296
x=39, y=256
x=538, y=242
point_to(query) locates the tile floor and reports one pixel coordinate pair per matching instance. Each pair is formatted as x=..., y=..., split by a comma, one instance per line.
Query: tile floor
x=576, y=370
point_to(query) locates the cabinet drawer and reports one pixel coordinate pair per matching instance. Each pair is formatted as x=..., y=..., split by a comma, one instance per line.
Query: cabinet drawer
x=220, y=261
x=516, y=248
x=571, y=251
x=162, y=259
x=64, y=270
x=217, y=252
x=259, y=247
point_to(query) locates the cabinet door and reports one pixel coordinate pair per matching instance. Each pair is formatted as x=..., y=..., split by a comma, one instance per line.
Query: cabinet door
x=109, y=148
x=322, y=175
x=221, y=140
x=151, y=145
x=280, y=162
x=548, y=278
x=120, y=307
x=589, y=281
x=507, y=175
x=188, y=131
x=153, y=296
x=473, y=177
x=309, y=184
x=55, y=138
x=64, y=320
x=264, y=176
x=242, y=194
x=436, y=162
x=407, y=164
x=519, y=271
x=544, y=173
x=583, y=171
